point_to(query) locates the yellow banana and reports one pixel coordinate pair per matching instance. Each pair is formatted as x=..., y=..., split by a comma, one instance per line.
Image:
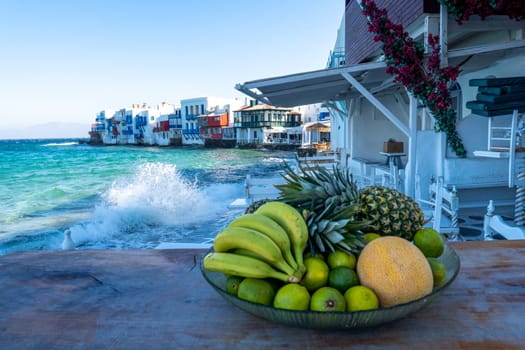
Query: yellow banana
x=239, y=237
x=246, y=252
x=270, y=228
x=293, y=223
x=244, y=266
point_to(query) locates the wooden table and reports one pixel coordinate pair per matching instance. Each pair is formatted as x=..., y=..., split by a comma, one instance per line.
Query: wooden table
x=157, y=299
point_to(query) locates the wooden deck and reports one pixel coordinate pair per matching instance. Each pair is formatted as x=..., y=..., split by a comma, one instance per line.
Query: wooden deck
x=157, y=299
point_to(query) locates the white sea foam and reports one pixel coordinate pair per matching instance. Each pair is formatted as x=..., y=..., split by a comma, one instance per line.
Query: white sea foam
x=155, y=195
x=54, y=144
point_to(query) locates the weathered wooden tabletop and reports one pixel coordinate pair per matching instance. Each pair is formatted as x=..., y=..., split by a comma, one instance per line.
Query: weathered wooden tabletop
x=157, y=299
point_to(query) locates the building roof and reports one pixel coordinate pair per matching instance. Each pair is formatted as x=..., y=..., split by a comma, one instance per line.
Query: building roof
x=261, y=107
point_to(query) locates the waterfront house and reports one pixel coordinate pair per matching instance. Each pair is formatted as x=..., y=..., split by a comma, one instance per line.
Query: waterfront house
x=98, y=128
x=215, y=127
x=368, y=107
x=192, y=108
x=263, y=124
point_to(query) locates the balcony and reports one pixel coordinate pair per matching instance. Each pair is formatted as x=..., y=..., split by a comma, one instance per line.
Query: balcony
x=191, y=116
x=268, y=124
x=336, y=58
x=194, y=131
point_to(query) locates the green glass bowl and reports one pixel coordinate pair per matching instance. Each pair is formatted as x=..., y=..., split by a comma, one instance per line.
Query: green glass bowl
x=336, y=320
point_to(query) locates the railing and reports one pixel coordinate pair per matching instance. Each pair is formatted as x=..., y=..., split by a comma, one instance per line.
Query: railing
x=256, y=189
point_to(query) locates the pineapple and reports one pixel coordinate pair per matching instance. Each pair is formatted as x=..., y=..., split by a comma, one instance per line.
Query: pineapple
x=390, y=212
x=329, y=204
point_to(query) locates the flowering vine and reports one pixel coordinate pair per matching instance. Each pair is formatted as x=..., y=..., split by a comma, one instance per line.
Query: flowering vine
x=424, y=79
x=463, y=9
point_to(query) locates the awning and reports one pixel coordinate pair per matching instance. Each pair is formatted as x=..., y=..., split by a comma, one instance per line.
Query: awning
x=316, y=86
x=280, y=129
x=318, y=126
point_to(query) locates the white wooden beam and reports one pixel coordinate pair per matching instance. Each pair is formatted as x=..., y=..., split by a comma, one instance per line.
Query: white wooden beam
x=410, y=170
x=467, y=51
x=252, y=94
x=443, y=34
x=376, y=103
x=432, y=24
x=491, y=23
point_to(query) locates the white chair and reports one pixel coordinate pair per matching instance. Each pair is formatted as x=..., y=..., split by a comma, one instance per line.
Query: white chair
x=441, y=207
x=494, y=224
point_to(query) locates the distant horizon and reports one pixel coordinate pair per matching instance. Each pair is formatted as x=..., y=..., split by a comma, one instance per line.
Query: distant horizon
x=49, y=130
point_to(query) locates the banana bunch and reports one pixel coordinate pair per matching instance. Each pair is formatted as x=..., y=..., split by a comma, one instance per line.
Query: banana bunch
x=268, y=243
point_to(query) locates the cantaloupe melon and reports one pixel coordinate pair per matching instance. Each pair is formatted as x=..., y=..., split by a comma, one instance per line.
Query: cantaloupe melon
x=395, y=269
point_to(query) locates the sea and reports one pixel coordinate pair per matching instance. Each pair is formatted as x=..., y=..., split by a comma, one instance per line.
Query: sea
x=121, y=197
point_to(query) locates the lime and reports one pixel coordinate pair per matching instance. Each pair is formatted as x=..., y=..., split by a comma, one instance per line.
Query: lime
x=368, y=237
x=360, y=298
x=232, y=284
x=307, y=255
x=292, y=296
x=341, y=258
x=342, y=278
x=327, y=299
x=439, y=272
x=256, y=290
x=316, y=274
x=430, y=242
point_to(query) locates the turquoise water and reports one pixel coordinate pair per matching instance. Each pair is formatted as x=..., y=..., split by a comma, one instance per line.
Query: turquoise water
x=120, y=196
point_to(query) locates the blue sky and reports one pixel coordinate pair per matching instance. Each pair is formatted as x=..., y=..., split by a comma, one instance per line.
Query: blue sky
x=65, y=60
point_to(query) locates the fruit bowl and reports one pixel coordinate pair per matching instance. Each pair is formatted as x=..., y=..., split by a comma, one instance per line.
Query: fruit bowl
x=337, y=320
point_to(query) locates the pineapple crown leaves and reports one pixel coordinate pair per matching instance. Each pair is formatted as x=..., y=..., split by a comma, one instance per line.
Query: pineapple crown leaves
x=320, y=186
x=329, y=203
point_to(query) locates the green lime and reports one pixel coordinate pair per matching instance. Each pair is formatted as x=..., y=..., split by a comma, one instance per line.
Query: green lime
x=232, y=284
x=327, y=299
x=342, y=278
x=360, y=298
x=292, y=296
x=430, y=242
x=439, y=272
x=316, y=275
x=341, y=258
x=308, y=254
x=256, y=290
x=368, y=237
